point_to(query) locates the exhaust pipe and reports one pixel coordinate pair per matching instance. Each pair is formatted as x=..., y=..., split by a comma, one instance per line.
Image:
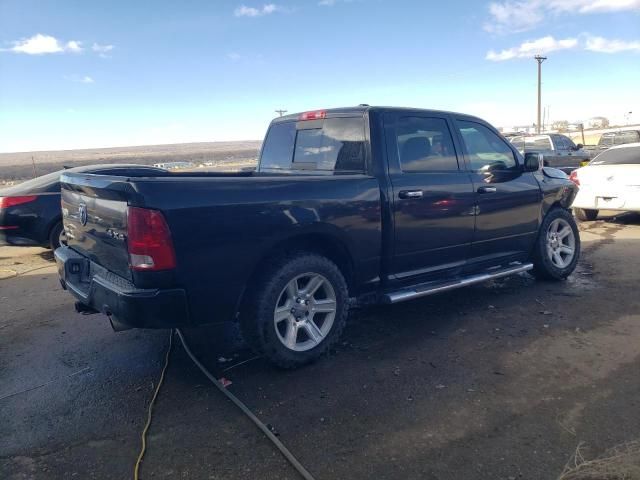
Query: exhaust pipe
x=84, y=309
x=118, y=326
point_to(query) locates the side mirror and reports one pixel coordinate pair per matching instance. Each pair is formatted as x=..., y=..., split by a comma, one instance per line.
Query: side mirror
x=533, y=161
x=579, y=146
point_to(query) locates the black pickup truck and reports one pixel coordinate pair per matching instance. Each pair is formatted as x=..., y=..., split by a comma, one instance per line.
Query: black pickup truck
x=347, y=206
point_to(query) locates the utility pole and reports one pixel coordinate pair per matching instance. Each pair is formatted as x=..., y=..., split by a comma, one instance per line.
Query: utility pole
x=281, y=112
x=539, y=59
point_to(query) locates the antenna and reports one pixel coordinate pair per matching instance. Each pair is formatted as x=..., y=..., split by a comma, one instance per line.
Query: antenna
x=281, y=112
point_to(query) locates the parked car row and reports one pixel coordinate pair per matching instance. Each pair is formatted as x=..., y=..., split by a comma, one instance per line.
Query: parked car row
x=611, y=181
x=356, y=205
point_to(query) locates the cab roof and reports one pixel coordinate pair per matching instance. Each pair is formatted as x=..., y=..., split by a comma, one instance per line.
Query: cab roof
x=361, y=110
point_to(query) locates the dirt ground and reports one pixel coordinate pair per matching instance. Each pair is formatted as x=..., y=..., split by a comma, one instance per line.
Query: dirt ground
x=498, y=381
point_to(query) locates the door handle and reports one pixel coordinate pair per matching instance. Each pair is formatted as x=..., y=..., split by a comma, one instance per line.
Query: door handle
x=410, y=194
x=487, y=190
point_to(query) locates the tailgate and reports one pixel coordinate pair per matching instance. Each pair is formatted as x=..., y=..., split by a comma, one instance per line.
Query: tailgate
x=94, y=213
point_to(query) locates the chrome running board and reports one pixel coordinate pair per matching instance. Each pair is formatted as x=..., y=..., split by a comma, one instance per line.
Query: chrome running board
x=416, y=292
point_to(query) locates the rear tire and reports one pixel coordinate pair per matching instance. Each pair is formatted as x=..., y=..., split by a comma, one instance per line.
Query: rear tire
x=56, y=236
x=296, y=310
x=557, y=248
x=585, y=215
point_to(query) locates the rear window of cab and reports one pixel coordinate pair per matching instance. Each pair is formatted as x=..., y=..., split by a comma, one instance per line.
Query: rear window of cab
x=318, y=146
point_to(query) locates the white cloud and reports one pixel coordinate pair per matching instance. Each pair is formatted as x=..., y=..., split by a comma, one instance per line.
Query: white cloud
x=40, y=44
x=513, y=16
x=267, y=9
x=102, y=50
x=521, y=15
x=549, y=44
x=234, y=56
x=530, y=48
x=604, y=45
x=80, y=78
x=331, y=3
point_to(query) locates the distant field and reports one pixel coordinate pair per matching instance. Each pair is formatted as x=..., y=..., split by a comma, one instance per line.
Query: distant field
x=16, y=167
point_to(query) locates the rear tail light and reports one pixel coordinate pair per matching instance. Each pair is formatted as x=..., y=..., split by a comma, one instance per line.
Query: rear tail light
x=6, y=202
x=149, y=240
x=317, y=115
x=574, y=177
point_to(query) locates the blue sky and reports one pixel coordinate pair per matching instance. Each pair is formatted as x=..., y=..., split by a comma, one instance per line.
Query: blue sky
x=78, y=74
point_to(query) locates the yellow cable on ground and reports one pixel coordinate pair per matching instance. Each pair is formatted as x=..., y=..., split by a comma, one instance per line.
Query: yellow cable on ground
x=238, y=403
x=136, y=470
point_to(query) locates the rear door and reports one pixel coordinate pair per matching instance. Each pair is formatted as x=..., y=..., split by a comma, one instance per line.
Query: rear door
x=507, y=199
x=433, y=199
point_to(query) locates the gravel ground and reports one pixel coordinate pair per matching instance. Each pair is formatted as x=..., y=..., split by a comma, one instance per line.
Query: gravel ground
x=499, y=381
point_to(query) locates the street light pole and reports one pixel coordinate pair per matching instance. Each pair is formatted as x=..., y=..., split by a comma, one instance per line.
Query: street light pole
x=539, y=59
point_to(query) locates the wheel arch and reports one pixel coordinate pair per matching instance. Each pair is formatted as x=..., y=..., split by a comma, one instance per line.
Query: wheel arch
x=319, y=242
x=49, y=228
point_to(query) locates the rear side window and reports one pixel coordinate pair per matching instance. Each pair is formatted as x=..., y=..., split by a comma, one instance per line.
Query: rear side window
x=486, y=150
x=331, y=145
x=618, y=156
x=425, y=145
x=536, y=144
x=606, y=140
x=277, y=150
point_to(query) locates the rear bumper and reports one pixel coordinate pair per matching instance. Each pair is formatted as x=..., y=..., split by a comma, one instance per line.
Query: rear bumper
x=105, y=292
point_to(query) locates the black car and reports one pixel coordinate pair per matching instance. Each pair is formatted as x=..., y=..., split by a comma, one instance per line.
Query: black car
x=347, y=206
x=30, y=211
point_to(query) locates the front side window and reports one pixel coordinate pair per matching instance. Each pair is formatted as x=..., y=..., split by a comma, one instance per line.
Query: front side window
x=425, y=145
x=486, y=150
x=625, y=137
x=561, y=143
x=518, y=142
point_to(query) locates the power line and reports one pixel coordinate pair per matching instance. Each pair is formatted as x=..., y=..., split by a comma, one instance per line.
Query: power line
x=281, y=112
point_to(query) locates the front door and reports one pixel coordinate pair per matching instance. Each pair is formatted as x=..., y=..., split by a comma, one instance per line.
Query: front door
x=507, y=199
x=433, y=198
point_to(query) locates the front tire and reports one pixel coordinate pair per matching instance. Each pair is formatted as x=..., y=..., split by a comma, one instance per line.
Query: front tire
x=296, y=310
x=557, y=247
x=585, y=214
